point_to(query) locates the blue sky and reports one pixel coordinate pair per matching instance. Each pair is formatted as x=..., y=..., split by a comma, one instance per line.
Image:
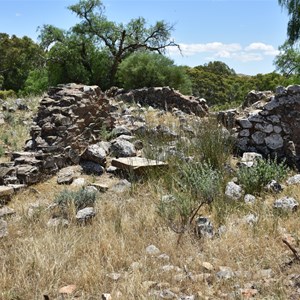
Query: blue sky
x=245, y=34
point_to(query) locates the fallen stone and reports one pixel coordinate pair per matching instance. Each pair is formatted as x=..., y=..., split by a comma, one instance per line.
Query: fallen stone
x=138, y=165
x=207, y=266
x=57, y=222
x=204, y=227
x=68, y=174
x=286, y=203
x=79, y=182
x=95, y=153
x=106, y=296
x=274, y=186
x=250, y=219
x=152, y=250
x=90, y=167
x=101, y=187
x=122, y=186
x=249, y=159
x=233, y=191
x=249, y=199
x=68, y=289
x=122, y=148
x=293, y=180
x=225, y=273
x=120, y=130
x=85, y=214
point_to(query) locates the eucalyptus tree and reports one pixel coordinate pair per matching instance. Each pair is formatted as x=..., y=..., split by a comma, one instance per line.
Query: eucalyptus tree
x=118, y=41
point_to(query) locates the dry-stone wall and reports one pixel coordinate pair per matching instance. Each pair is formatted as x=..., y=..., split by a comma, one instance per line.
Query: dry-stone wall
x=69, y=118
x=270, y=126
x=162, y=98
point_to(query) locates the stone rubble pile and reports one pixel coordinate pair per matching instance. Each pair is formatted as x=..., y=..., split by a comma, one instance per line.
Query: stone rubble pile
x=162, y=98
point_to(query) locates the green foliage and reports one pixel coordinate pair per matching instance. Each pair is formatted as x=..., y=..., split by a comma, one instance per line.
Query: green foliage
x=1, y=81
x=288, y=62
x=76, y=54
x=7, y=94
x=80, y=199
x=145, y=69
x=293, y=10
x=223, y=88
x=18, y=56
x=194, y=185
x=255, y=178
x=36, y=82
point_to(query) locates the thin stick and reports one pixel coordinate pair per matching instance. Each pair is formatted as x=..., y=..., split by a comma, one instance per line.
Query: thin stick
x=292, y=249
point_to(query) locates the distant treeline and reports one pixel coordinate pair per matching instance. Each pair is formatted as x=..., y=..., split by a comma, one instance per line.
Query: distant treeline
x=101, y=52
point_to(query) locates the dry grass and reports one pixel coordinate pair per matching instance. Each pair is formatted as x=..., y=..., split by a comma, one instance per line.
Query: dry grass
x=37, y=260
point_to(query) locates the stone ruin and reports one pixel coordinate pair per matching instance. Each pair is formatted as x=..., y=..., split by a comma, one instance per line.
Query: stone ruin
x=164, y=98
x=68, y=126
x=69, y=118
x=269, y=126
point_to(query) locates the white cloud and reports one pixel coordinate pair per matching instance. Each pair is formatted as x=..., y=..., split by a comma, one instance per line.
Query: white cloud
x=253, y=52
x=18, y=14
x=192, y=49
x=266, y=49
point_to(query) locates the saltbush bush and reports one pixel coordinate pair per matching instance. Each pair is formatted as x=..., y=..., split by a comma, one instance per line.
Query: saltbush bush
x=255, y=178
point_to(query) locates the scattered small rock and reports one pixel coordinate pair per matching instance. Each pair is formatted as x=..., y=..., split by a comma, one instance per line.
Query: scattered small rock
x=249, y=199
x=122, y=186
x=68, y=289
x=225, y=273
x=274, y=186
x=152, y=250
x=293, y=180
x=233, y=191
x=286, y=203
x=204, y=227
x=85, y=214
x=57, y=222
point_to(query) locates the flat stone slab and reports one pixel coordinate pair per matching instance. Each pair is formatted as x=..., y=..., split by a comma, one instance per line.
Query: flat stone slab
x=137, y=164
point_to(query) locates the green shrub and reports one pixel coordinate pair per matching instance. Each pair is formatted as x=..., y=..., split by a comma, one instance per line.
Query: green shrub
x=36, y=82
x=144, y=69
x=194, y=185
x=255, y=178
x=80, y=199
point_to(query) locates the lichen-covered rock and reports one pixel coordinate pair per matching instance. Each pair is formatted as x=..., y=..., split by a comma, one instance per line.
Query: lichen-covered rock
x=233, y=191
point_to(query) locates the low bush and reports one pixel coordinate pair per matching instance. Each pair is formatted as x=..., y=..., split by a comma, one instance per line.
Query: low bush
x=255, y=178
x=194, y=185
x=79, y=199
